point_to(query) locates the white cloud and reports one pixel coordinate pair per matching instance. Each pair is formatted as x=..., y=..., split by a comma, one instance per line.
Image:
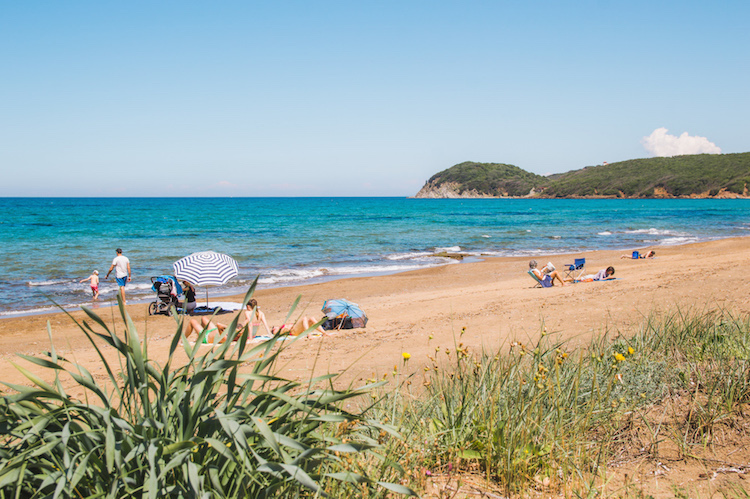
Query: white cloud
x=660, y=143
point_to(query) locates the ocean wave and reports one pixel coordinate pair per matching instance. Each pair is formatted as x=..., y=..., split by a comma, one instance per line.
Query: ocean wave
x=604, y=233
x=44, y=310
x=383, y=269
x=449, y=249
x=55, y=282
x=656, y=232
x=672, y=241
x=409, y=256
x=291, y=275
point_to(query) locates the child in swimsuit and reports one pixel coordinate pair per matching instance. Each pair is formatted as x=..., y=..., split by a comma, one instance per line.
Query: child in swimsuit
x=94, y=278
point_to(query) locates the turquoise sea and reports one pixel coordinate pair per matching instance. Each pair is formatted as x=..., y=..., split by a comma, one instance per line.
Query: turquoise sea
x=48, y=244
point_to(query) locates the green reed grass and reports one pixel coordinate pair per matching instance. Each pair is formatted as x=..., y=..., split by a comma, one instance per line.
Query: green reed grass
x=540, y=413
x=222, y=424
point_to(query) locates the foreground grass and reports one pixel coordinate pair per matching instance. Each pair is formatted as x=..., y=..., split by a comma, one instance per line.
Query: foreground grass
x=542, y=417
x=223, y=424
x=535, y=417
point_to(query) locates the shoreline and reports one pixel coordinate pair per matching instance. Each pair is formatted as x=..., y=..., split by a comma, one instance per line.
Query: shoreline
x=419, y=310
x=459, y=257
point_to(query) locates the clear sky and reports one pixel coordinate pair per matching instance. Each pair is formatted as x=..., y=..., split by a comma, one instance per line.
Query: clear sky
x=354, y=98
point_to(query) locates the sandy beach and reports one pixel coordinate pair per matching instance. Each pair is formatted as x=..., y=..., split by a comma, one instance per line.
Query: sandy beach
x=494, y=300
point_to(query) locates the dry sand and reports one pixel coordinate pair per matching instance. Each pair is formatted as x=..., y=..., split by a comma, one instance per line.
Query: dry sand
x=494, y=300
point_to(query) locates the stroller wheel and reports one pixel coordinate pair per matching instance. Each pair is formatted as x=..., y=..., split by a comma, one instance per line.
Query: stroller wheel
x=152, y=308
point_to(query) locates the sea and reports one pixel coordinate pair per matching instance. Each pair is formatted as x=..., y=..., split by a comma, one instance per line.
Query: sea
x=47, y=245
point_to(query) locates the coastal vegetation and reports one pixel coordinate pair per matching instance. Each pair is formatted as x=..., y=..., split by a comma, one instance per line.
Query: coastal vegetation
x=544, y=417
x=487, y=179
x=223, y=424
x=535, y=416
x=699, y=175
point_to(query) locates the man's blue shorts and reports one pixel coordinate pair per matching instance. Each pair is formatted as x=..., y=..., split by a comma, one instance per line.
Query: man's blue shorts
x=122, y=281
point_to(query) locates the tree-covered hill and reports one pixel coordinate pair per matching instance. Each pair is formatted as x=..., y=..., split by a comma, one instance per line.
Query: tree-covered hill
x=489, y=179
x=679, y=176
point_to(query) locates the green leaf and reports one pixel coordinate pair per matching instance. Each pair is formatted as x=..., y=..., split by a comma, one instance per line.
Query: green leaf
x=350, y=447
x=398, y=488
x=348, y=476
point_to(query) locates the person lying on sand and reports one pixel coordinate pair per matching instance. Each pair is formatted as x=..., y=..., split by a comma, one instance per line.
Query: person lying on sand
x=547, y=278
x=192, y=325
x=649, y=254
x=214, y=328
x=299, y=327
x=602, y=275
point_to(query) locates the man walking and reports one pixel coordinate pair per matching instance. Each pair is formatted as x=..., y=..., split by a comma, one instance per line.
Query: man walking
x=121, y=264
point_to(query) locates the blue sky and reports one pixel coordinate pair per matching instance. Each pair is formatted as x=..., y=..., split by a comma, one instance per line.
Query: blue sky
x=326, y=98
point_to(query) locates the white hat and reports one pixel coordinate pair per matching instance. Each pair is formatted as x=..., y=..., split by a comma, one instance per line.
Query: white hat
x=96, y=272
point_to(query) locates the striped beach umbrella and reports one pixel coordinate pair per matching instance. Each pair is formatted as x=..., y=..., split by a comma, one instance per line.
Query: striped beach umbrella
x=206, y=268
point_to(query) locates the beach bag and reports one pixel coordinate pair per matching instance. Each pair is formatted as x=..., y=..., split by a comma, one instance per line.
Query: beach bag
x=338, y=323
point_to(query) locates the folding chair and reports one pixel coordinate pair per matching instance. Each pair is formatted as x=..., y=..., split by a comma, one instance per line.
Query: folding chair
x=575, y=270
x=533, y=276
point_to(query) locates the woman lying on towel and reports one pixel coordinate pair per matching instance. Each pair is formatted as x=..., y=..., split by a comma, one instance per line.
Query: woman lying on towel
x=602, y=275
x=546, y=278
x=299, y=327
x=212, y=329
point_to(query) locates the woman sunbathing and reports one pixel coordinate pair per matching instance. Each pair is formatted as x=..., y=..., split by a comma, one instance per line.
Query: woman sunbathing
x=254, y=320
x=188, y=327
x=649, y=254
x=299, y=327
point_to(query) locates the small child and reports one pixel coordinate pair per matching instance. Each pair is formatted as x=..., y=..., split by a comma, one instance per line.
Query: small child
x=94, y=278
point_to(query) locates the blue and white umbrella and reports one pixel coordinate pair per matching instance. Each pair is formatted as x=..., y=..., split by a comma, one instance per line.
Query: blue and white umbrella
x=206, y=268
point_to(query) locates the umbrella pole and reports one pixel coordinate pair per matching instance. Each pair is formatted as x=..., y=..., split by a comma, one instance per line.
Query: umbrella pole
x=206, y=296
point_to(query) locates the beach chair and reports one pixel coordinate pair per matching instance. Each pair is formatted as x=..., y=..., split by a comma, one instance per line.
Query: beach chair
x=575, y=270
x=536, y=279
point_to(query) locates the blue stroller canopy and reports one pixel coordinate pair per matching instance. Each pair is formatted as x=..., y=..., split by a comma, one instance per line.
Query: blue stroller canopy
x=165, y=279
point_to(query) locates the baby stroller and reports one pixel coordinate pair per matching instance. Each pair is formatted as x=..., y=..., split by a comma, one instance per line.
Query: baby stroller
x=167, y=290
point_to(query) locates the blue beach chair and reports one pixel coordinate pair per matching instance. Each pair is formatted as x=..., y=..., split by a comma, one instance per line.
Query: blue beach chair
x=575, y=270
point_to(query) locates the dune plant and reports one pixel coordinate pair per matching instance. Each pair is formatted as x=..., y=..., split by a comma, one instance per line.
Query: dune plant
x=220, y=424
x=543, y=415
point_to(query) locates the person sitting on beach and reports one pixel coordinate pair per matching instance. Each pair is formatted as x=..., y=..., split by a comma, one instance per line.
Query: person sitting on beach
x=189, y=298
x=635, y=255
x=299, y=327
x=94, y=278
x=254, y=320
x=602, y=275
x=546, y=278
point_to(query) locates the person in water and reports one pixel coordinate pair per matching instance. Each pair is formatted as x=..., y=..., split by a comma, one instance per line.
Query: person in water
x=94, y=278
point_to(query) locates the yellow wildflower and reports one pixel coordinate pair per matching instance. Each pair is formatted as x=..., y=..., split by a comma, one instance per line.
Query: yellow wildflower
x=619, y=357
x=631, y=351
x=406, y=356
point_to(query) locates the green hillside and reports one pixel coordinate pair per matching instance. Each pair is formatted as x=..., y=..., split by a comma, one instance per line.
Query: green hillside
x=494, y=179
x=679, y=176
x=676, y=176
